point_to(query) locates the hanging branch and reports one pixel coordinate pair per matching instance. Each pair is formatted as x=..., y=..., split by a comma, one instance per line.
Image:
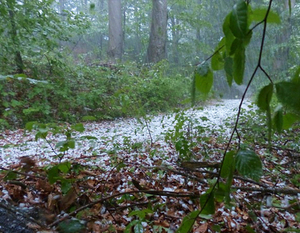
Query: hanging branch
x=258, y=66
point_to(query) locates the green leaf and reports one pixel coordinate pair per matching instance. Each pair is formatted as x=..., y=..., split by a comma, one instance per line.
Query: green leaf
x=235, y=45
x=130, y=225
x=207, y=203
x=138, y=228
x=42, y=133
x=227, y=171
x=220, y=192
x=141, y=213
x=248, y=164
x=247, y=39
x=288, y=93
x=71, y=226
x=228, y=67
x=65, y=145
x=53, y=174
x=10, y=175
x=289, y=119
x=217, y=61
x=78, y=127
x=16, y=103
x=66, y=185
x=264, y=97
x=29, y=125
x=64, y=167
x=203, y=78
x=89, y=118
x=250, y=229
x=239, y=64
x=229, y=37
x=228, y=165
x=259, y=15
x=278, y=119
x=216, y=228
x=188, y=222
x=239, y=20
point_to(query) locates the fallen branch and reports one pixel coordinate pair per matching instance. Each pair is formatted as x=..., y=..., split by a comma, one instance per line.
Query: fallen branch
x=133, y=205
x=22, y=173
x=269, y=190
x=154, y=192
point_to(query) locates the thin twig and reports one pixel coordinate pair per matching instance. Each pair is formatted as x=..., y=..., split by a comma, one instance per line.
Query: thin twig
x=269, y=190
x=22, y=173
x=248, y=85
x=240, y=106
x=101, y=200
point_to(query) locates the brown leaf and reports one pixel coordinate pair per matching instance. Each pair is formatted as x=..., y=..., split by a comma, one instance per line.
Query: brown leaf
x=52, y=201
x=68, y=199
x=202, y=228
x=162, y=223
x=27, y=163
x=44, y=185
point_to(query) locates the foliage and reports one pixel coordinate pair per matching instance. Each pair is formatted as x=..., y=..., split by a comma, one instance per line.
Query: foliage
x=33, y=28
x=230, y=55
x=102, y=92
x=56, y=87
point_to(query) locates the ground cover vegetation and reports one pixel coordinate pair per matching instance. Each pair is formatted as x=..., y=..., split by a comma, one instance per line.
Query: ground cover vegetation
x=235, y=175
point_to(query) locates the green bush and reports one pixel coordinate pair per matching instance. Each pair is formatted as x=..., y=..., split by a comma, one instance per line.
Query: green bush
x=103, y=91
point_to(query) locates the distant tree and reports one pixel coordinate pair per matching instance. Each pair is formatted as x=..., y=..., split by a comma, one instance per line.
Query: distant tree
x=158, y=34
x=30, y=32
x=13, y=34
x=61, y=6
x=115, y=46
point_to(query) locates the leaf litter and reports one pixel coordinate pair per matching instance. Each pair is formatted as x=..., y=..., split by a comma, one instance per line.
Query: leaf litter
x=124, y=175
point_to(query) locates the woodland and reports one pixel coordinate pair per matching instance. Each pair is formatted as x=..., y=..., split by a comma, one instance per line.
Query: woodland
x=149, y=116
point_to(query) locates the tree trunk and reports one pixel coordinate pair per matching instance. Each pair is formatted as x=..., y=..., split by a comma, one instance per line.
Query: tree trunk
x=175, y=40
x=14, y=36
x=158, y=34
x=115, y=44
x=283, y=53
x=61, y=6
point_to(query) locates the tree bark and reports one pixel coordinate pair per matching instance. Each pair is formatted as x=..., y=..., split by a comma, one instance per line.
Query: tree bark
x=14, y=37
x=158, y=34
x=115, y=44
x=283, y=53
x=175, y=40
x=61, y=6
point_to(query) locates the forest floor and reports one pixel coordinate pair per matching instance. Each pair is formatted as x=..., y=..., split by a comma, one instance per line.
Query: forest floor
x=147, y=174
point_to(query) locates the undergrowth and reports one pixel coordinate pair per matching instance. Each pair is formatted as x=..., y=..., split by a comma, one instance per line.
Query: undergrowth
x=104, y=91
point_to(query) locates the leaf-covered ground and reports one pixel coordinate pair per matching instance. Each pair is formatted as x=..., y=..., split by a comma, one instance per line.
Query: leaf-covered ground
x=146, y=175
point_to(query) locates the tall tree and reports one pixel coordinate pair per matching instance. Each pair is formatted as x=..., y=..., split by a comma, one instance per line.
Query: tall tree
x=14, y=36
x=158, y=34
x=115, y=45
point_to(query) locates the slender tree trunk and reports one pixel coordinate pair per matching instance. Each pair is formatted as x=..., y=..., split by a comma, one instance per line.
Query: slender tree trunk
x=283, y=53
x=61, y=6
x=158, y=34
x=14, y=36
x=100, y=41
x=115, y=44
x=175, y=40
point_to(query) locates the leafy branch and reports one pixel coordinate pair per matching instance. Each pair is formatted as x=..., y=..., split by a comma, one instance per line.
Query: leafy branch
x=230, y=56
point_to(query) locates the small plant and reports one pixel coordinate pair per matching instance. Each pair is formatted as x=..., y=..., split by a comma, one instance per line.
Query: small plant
x=142, y=218
x=61, y=147
x=186, y=134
